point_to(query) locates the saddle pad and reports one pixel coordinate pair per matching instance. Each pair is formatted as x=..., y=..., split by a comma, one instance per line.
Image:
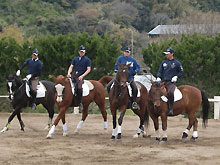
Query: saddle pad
x=41, y=90
x=130, y=89
x=86, y=86
x=177, y=96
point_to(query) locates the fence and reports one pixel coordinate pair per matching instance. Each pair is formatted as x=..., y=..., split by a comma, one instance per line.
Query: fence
x=216, y=102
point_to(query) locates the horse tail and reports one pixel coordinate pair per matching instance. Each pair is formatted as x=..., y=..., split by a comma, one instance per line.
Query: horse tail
x=105, y=79
x=205, y=108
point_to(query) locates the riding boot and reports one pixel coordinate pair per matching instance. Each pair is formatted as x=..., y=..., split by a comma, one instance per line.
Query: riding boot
x=170, y=106
x=33, y=100
x=79, y=97
x=134, y=96
x=108, y=87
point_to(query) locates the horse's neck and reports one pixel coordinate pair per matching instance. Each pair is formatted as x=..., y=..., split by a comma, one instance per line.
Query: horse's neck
x=19, y=82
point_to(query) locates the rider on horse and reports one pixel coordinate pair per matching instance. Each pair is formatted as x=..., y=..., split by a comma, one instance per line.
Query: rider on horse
x=170, y=70
x=34, y=70
x=133, y=69
x=82, y=66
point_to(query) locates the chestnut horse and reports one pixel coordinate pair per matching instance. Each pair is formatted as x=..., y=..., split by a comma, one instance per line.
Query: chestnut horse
x=191, y=100
x=119, y=99
x=64, y=99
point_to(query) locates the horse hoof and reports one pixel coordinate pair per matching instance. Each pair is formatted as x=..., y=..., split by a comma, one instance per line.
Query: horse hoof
x=49, y=136
x=136, y=136
x=119, y=136
x=76, y=131
x=113, y=137
x=4, y=130
x=193, y=139
x=157, y=140
x=65, y=134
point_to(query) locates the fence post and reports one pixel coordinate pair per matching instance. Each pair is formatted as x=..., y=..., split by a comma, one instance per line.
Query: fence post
x=216, y=107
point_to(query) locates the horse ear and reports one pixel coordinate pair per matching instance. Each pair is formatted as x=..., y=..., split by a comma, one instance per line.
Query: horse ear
x=152, y=82
x=54, y=78
x=119, y=64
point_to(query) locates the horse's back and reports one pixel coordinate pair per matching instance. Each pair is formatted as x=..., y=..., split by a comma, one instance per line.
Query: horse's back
x=98, y=87
x=49, y=86
x=190, y=93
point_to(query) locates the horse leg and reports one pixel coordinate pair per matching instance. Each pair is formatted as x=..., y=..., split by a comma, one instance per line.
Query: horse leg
x=84, y=115
x=191, y=123
x=120, y=120
x=164, y=128
x=195, y=127
x=104, y=114
x=141, y=126
x=113, y=111
x=11, y=117
x=156, y=127
x=64, y=125
x=50, y=110
x=20, y=121
x=60, y=115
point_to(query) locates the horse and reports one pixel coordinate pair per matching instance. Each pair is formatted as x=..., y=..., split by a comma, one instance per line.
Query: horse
x=64, y=99
x=19, y=99
x=119, y=99
x=191, y=100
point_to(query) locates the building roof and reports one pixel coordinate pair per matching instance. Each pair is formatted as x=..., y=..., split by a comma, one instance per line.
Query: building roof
x=186, y=29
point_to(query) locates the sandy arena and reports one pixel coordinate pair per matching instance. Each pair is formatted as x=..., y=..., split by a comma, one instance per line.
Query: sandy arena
x=93, y=146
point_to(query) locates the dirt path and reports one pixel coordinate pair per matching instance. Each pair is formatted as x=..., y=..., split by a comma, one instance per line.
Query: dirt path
x=93, y=146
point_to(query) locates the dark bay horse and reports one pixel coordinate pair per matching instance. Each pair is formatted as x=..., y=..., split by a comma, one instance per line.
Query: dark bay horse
x=191, y=100
x=19, y=99
x=64, y=99
x=119, y=99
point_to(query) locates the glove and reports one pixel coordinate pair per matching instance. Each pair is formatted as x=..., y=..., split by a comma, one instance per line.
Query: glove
x=116, y=71
x=18, y=73
x=28, y=76
x=174, y=79
x=158, y=79
x=134, y=73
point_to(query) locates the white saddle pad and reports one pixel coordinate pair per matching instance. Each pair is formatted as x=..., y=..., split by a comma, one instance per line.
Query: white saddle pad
x=86, y=86
x=41, y=90
x=177, y=96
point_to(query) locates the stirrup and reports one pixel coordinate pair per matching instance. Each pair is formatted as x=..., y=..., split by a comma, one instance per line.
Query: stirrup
x=134, y=105
x=170, y=112
x=33, y=106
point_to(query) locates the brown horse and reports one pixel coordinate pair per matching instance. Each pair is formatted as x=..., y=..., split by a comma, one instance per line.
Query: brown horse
x=64, y=99
x=119, y=99
x=191, y=100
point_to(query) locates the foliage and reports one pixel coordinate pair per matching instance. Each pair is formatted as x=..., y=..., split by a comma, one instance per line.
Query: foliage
x=199, y=56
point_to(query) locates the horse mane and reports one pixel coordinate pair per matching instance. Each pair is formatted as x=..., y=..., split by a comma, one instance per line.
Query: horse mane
x=105, y=80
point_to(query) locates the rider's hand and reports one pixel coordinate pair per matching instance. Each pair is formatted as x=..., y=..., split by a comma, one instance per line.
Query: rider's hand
x=18, y=73
x=80, y=77
x=28, y=76
x=174, y=79
x=158, y=79
x=133, y=73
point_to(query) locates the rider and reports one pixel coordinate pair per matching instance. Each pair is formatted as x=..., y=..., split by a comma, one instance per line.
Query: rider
x=34, y=70
x=170, y=70
x=82, y=66
x=133, y=69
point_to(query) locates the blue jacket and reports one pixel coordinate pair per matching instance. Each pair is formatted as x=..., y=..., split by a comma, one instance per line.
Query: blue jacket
x=34, y=66
x=170, y=68
x=133, y=68
x=80, y=64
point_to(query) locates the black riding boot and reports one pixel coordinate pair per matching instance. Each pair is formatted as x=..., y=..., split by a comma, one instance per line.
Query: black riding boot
x=79, y=98
x=108, y=87
x=170, y=106
x=134, y=96
x=33, y=99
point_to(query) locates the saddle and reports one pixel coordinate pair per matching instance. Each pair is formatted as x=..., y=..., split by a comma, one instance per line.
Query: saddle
x=41, y=90
x=177, y=96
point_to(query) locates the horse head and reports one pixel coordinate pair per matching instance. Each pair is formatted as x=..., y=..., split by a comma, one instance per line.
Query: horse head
x=156, y=91
x=122, y=74
x=60, y=84
x=12, y=83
